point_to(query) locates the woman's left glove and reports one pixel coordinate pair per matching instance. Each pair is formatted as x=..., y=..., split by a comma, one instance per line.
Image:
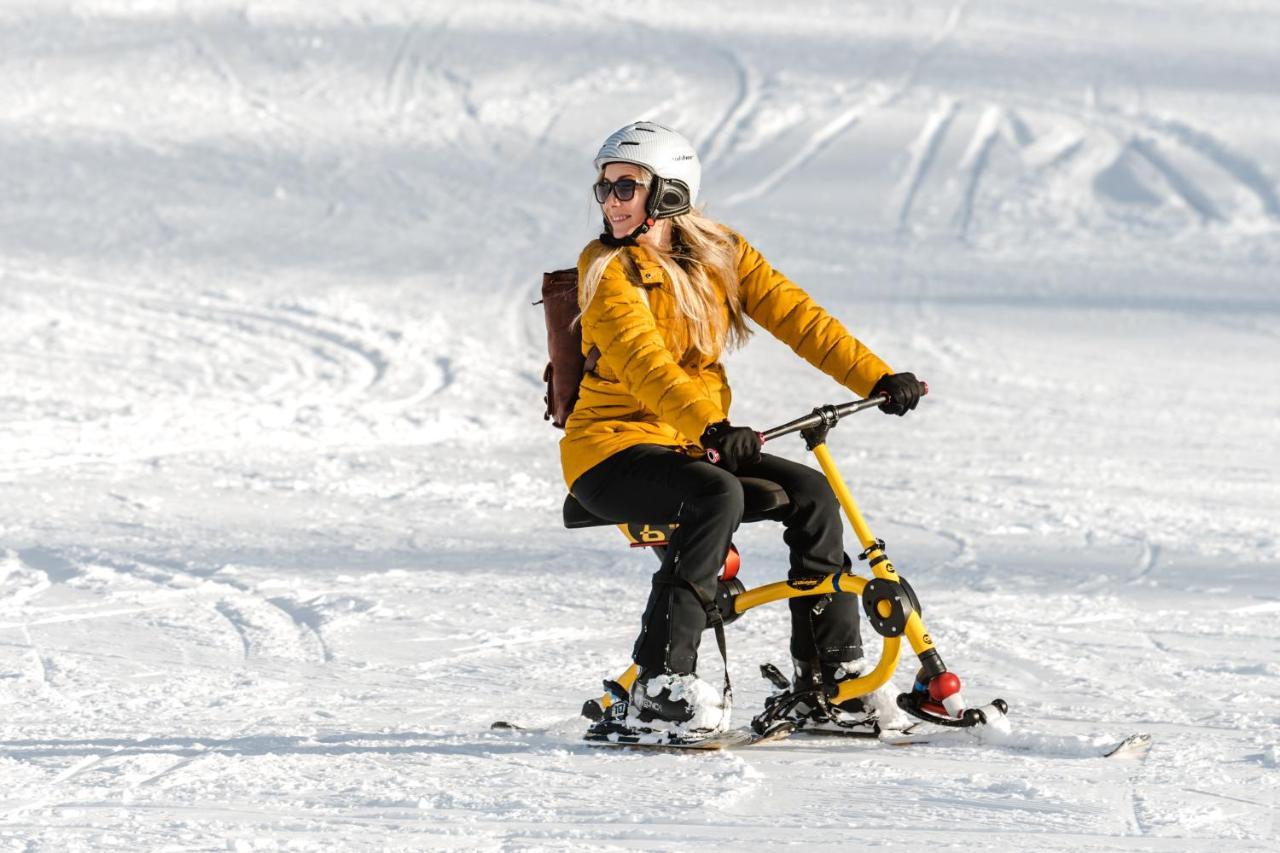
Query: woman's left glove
x=904, y=392
x=735, y=446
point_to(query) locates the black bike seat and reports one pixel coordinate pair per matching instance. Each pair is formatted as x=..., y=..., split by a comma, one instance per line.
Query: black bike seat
x=764, y=499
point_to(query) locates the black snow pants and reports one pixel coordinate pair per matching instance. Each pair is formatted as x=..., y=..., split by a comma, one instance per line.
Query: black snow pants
x=653, y=483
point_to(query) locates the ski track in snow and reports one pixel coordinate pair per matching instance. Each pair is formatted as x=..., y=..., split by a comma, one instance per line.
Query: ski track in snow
x=282, y=519
x=819, y=140
x=975, y=162
x=718, y=144
x=878, y=95
x=923, y=151
x=290, y=358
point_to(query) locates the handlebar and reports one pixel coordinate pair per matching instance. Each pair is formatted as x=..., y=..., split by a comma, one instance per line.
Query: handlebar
x=828, y=414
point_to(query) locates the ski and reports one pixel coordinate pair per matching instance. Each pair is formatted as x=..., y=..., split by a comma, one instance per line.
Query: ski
x=1134, y=746
x=621, y=736
x=503, y=725
x=732, y=739
x=857, y=733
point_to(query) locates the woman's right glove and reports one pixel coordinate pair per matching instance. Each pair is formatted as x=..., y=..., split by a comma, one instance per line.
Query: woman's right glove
x=735, y=446
x=903, y=390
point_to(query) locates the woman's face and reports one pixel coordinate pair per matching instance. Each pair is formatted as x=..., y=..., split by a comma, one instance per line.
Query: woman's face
x=624, y=216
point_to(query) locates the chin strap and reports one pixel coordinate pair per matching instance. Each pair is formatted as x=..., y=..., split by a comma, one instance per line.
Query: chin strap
x=613, y=242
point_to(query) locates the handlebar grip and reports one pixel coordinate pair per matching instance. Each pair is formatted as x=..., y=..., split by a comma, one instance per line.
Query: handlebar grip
x=713, y=455
x=924, y=389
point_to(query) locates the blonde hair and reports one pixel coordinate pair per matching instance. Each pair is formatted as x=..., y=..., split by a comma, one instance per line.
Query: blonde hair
x=703, y=253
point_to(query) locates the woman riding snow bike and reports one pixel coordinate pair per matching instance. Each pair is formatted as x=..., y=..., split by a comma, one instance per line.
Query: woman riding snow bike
x=663, y=292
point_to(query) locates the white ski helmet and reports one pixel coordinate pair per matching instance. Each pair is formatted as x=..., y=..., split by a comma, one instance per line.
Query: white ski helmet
x=664, y=152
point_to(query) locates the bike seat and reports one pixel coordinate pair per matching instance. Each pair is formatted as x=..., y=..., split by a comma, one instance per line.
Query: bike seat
x=764, y=499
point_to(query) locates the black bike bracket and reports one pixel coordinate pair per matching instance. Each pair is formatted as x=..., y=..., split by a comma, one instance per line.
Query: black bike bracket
x=727, y=593
x=815, y=436
x=900, y=607
x=911, y=594
x=878, y=545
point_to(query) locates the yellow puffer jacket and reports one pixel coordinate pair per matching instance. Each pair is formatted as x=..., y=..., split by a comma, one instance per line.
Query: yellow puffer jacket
x=641, y=392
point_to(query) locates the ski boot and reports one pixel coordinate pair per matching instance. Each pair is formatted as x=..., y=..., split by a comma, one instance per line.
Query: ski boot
x=804, y=703
x=662, y=708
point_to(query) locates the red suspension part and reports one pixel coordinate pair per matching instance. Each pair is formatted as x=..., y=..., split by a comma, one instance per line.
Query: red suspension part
x=732, y=562
x=944, y=691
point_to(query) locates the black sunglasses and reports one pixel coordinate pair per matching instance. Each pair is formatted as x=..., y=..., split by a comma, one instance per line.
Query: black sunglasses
x=624, y=189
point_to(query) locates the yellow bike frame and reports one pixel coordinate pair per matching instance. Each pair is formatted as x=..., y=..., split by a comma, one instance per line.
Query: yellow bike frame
x=898, y=615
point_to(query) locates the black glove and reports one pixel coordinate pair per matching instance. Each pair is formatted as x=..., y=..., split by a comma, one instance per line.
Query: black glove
x=903, y=390
x=736, y=446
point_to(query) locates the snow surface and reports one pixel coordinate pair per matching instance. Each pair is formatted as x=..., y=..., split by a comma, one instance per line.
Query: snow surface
x=281, y=532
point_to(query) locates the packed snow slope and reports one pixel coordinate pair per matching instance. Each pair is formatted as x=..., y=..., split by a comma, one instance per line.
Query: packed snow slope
x=281, y=531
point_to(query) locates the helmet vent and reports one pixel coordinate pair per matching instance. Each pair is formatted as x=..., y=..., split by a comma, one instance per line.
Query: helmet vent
x=630, y=143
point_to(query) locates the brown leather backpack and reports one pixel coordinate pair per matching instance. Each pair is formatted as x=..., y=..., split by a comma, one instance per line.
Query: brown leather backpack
x=564, y=345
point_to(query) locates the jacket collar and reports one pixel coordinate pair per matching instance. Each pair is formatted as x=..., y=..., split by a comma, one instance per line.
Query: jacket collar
x=649, y=269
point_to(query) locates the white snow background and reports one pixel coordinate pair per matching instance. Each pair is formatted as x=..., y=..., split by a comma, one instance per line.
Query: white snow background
x=281, y=519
